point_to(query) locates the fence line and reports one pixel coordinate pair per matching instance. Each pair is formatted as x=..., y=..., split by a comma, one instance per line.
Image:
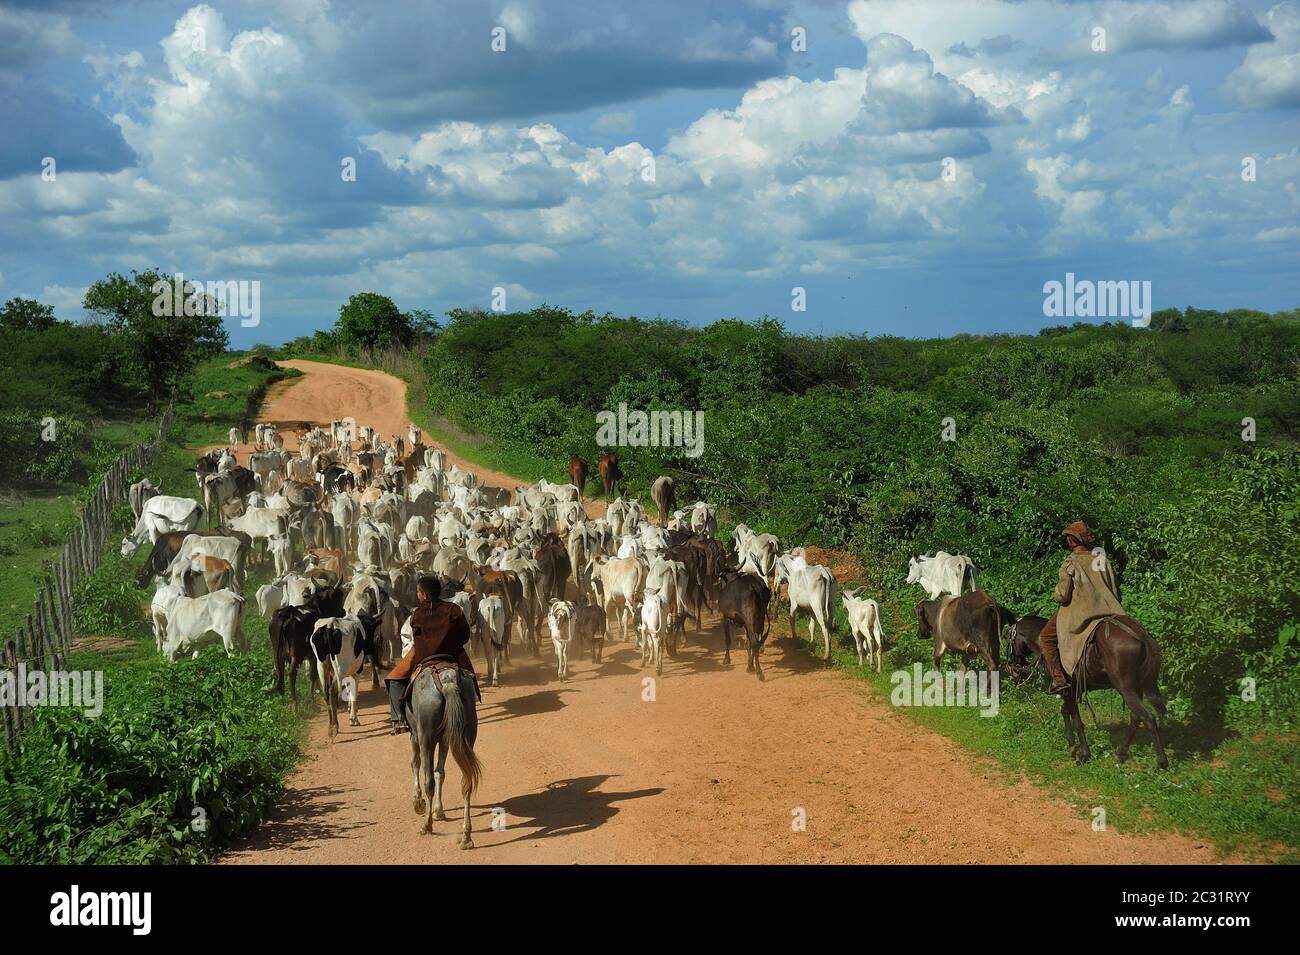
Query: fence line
x=46, y=639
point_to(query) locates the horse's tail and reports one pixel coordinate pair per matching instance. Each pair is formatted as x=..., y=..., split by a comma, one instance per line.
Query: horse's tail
x=1148, y=683
x=454, y=729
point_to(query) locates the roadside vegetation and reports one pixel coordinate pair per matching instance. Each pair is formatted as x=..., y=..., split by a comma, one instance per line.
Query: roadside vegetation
x=184, y=757
x=1179, y=443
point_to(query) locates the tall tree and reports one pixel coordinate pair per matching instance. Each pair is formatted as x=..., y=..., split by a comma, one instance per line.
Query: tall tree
x=370, y=320
x=165, y=334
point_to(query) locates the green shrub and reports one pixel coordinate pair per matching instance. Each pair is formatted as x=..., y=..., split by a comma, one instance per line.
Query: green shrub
x=124, y=787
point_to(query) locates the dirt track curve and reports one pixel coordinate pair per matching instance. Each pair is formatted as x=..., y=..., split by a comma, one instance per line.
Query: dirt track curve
x=712, y=770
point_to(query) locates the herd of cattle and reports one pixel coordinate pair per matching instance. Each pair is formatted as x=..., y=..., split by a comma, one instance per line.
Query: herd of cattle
x=350, y=521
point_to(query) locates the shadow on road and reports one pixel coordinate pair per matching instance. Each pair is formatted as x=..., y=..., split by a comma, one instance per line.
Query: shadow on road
x=567, y=807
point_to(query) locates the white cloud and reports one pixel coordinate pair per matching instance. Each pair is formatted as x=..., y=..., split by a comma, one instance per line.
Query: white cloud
x=1269, y=76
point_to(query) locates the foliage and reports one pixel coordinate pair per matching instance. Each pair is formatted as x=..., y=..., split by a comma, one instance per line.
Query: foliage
x=161, y=344
x=26, y=315
x=838, y=442
x=123, y=787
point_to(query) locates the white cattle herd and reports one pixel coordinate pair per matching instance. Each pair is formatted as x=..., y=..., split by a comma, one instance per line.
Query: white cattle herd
x=351, y=520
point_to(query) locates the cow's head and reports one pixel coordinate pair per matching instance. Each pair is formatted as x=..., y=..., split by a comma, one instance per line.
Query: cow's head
x=924, y=625
x=129, y=546
x=913, y=569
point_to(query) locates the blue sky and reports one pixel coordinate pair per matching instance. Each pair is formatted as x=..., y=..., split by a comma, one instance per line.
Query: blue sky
x=209, y=138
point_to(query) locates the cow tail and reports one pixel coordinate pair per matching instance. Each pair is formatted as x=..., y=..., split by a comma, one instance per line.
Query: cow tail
x=454, y=729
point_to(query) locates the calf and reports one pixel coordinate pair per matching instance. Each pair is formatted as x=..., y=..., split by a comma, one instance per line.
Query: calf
x=217, y=572
x=864, y=624
x=589, y=626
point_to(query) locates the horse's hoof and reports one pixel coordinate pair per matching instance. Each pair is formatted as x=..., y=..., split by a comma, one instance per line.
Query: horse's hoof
x=465, y=843
x=440, y=816
x=1162, y=763
x=759, y=674
x=419, y=806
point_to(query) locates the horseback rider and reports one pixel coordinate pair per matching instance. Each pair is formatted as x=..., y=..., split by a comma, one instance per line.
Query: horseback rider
x=439, y=635
x=1087, y=591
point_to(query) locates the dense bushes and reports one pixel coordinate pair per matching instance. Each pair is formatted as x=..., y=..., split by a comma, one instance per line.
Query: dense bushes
x=838, y=442
x=182, y=758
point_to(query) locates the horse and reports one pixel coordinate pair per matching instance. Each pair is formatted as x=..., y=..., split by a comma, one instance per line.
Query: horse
x=441, y=713
x=1120, y=656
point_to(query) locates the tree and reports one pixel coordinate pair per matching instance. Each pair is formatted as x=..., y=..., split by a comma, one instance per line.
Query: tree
x=371, y=321
x=162, y=343
x=26, y=315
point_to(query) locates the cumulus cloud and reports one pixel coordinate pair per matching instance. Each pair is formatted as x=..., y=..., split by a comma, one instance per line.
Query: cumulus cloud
x=907, y=156
x=1270, y=74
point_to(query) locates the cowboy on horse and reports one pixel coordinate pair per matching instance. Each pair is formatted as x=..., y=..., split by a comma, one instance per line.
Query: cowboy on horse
x=1087, y=591
x=439, y=634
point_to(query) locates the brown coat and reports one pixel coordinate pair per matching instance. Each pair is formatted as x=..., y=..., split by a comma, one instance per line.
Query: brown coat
x=1087, y=591
x=439, y=633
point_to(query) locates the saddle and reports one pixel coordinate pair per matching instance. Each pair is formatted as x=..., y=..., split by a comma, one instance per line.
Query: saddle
x=437, y=666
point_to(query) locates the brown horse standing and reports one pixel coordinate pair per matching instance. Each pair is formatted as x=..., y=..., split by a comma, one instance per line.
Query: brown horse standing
x=578, y=474
x=1120, y=656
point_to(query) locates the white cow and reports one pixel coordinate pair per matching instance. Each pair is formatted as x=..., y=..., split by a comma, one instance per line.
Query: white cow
x=864, y=624
x=164, y=595
x=619, y=579
x=811, y=588
x=281, y=548
x=943, y=573
x=262, y=523
x=561, y=620
x=704, y=518
x=194, y=622
x=159, y=515
x=653, y=629
x=492, y=634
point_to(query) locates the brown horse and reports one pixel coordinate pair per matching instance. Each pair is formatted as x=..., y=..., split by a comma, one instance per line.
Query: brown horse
x=1120, y=656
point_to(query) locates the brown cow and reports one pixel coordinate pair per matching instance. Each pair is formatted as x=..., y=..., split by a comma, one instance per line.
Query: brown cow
x=610, y=473
x=970, y=625
x=742, y=600
x=578, y=474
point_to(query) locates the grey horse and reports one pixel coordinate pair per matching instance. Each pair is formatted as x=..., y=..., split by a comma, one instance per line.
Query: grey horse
x=441, y=713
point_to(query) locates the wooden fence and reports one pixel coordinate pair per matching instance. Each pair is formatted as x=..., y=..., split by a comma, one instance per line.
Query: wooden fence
x=44, y=642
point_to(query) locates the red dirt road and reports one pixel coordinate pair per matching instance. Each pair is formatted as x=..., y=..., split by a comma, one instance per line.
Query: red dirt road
x=715, y=768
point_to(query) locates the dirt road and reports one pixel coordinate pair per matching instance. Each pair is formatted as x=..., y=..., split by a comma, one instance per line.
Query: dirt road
x=704, y=764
